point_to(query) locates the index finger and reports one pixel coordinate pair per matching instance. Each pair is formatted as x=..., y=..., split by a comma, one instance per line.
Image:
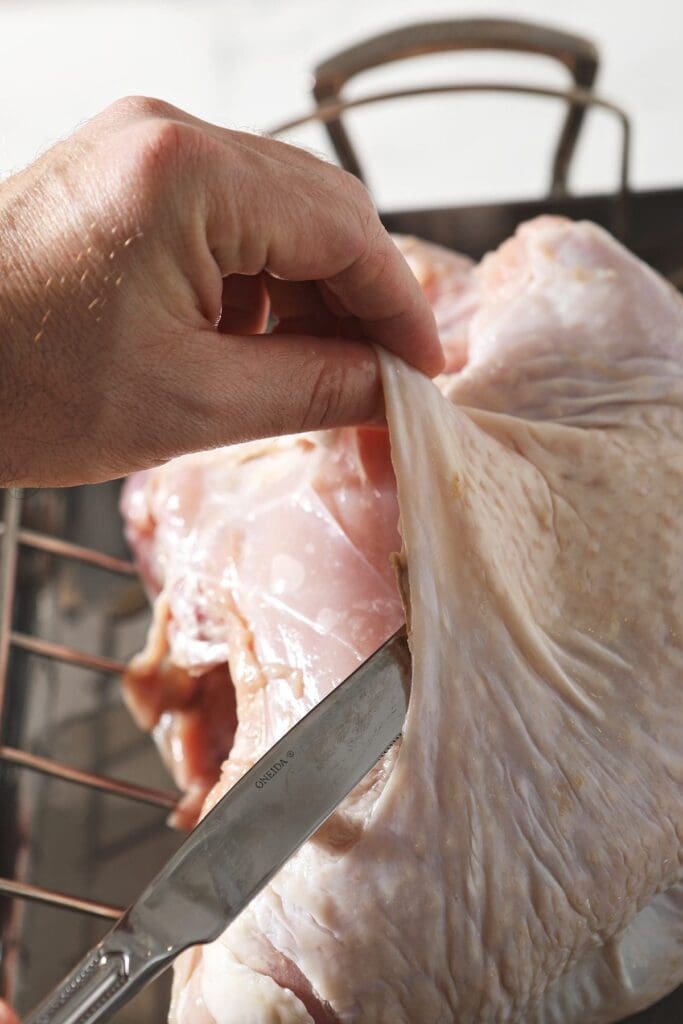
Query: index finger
x=380, y=290
x=323, y=226
x=280, y=209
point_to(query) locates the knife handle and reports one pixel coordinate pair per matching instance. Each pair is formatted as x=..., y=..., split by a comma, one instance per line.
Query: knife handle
x=104, y=981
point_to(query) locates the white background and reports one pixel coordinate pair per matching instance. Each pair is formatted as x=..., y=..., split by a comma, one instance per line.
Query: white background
x=247, y=63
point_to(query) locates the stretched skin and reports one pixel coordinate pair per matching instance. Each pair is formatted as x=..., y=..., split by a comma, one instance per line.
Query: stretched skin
x=276, y=551
x=520, y=857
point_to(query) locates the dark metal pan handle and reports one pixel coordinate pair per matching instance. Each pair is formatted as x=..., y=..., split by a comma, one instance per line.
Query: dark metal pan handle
x=577, y=54
x=331, y=111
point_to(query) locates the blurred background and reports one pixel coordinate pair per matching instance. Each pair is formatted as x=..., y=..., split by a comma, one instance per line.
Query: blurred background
x=247, y=63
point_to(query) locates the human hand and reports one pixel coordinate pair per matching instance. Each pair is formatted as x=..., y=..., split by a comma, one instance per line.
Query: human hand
x=7, y=1015
x=142, y=255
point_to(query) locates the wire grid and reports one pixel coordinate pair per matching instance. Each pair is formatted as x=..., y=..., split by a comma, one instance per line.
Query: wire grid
x=13, y=536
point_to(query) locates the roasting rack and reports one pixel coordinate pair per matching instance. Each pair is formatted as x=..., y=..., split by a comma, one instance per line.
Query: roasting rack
x=72, y=610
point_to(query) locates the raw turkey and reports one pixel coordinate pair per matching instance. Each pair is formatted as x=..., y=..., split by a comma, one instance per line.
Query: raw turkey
x=518, y=858
x=273, y=560
x=222, y=539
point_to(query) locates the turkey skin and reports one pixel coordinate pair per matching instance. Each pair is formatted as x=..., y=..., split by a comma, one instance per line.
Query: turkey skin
x=518, y=857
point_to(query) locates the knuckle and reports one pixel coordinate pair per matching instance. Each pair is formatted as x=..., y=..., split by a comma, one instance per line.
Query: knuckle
x=161, y=149
x=353, y=228
x=326, y=397
x=360, y=198
x=365, y=228
x=134, y=108
x=169, y=142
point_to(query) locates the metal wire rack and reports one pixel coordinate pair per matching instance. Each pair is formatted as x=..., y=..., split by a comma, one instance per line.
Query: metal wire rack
x=13, y=536
x=656, y=231
x=26, y=847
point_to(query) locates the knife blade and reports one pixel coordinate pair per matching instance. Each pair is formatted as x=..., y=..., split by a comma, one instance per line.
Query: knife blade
x=247, y=837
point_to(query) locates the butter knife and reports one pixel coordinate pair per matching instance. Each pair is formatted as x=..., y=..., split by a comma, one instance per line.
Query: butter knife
x=247, y=837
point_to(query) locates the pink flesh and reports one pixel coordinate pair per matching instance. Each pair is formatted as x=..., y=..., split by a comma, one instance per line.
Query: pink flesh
x=452, y=288
x=285, y=545
x=292, y=610
x=519, y=859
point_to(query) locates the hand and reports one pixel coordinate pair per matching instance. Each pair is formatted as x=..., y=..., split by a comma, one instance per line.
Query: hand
x=140, y=256
x=7, y=1015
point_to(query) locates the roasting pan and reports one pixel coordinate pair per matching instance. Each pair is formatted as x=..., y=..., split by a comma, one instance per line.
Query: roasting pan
x=83, y=794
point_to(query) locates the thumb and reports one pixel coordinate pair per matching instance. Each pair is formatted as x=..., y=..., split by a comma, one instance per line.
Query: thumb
x=199, y=390
x=240, y=388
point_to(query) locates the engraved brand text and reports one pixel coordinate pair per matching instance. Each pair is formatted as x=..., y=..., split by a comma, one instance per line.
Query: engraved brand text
x=264, y=779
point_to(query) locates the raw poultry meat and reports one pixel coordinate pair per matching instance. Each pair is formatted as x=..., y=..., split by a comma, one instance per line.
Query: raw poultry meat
x=223, y=578
x=275, y=560
x=519, y=857
x=452, y=289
